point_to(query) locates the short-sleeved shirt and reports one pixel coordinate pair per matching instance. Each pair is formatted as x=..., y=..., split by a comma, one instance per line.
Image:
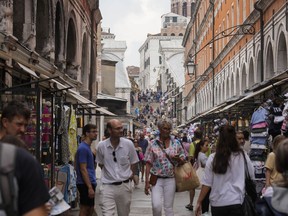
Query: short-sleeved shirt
x=202, y=159
x=33, y=192
x=192, y=147
x=228, y=188
x=120, y=169
x=161, y=166
x=85, y=155
x=270, y=164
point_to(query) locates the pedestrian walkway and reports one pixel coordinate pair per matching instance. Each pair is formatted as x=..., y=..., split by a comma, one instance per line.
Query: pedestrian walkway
x=141, y=203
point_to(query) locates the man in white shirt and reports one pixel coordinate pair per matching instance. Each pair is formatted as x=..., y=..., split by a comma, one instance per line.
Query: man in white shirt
x=116, y=156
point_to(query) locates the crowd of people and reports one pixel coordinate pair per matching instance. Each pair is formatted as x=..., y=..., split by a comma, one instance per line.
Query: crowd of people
x=125, y=160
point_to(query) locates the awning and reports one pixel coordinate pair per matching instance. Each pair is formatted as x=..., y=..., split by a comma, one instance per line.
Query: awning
x=104, y=111
x=86, y=103
x=207, y=112
x=253, y=94
x=182, y=125
x=83, y=101
x=101, y=96
x=56, y=85
x=28, y=70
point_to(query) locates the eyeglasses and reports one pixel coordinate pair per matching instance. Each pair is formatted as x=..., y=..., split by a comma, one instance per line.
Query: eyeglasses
x=114, y=156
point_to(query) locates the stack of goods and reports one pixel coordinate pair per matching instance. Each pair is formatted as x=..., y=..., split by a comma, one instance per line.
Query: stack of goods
x=284, y=126
x=259, y=142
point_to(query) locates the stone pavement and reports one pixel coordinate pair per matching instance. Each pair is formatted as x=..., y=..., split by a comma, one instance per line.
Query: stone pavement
x=141, y=204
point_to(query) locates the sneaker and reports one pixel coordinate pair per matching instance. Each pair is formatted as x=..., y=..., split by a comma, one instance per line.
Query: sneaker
x=205, y=214
x=189, y=207
x=142, y=180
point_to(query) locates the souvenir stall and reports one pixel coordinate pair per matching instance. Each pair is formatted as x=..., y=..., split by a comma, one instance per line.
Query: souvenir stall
x=266, y=123
x=39, y=133
x=44, y=96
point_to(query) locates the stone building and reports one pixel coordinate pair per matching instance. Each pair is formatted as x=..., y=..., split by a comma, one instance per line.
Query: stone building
x=239, y=49
x=182, y=7
x=115, y=86
x=50, y=59
x=152, y=61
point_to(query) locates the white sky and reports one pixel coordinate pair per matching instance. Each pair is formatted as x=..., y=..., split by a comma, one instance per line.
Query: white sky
x=131, y=21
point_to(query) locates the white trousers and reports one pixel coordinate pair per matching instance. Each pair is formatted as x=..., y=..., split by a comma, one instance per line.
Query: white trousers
x=163, y=191
x=114, y=197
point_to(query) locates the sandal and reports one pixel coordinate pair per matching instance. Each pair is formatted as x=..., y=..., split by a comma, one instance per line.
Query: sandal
x=189, y=207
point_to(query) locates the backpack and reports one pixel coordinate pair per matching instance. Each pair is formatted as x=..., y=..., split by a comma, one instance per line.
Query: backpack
x=8, y=182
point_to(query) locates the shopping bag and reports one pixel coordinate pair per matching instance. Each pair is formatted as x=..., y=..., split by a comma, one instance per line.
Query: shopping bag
x=185, y=177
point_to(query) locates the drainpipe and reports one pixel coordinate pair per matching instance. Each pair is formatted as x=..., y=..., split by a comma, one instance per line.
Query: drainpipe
x=261, y=38
x=92, y=72
x=195, y=60
x=213, y=53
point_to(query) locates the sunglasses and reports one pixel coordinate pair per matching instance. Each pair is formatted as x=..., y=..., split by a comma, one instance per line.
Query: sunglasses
x=114, y=156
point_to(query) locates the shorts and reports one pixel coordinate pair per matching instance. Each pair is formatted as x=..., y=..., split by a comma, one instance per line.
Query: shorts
x=83, y=191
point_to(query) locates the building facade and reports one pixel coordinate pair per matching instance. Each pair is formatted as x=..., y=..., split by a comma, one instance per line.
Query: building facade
x=182, y=7
x=115, y=86
x=238, y=47
x=49, y=58
x=153, y=62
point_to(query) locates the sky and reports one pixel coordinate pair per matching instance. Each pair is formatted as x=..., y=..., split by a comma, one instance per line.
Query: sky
x=131, y=21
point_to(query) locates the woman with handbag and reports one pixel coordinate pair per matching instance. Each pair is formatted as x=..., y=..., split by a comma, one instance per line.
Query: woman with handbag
x=160, y=157
x=224, y=174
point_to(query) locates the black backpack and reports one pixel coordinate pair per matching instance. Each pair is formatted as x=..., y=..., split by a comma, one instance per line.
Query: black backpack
x=8, y=182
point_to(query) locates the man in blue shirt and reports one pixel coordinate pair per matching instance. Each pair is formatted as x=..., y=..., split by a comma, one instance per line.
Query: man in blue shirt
x=86, y=178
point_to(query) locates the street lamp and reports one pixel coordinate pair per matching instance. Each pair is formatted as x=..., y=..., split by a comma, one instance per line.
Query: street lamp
x=191, y=67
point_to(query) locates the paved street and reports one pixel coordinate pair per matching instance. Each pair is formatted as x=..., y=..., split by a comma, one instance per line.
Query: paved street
x=141, y=204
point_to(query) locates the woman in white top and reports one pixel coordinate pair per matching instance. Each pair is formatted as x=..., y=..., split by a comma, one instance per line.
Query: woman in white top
x=225, y=175
x=201, y=148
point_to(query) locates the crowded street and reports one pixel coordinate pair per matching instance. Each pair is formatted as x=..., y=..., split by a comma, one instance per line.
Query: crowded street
x=149, y=107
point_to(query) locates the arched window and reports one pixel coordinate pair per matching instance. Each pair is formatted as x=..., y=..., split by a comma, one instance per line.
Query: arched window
x=269, y=63
x=282, y=54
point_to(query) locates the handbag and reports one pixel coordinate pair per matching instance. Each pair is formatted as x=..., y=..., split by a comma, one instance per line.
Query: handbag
x=250, y=189
x=153, y=179
x=185, y=175
x=248, y=206
x=250, y=186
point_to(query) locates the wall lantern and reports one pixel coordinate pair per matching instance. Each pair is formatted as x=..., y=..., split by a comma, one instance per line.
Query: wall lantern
x=191, y=67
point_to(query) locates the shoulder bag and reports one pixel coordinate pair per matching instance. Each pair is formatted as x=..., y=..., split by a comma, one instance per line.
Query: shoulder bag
x=250, y=193
x=185, y=176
